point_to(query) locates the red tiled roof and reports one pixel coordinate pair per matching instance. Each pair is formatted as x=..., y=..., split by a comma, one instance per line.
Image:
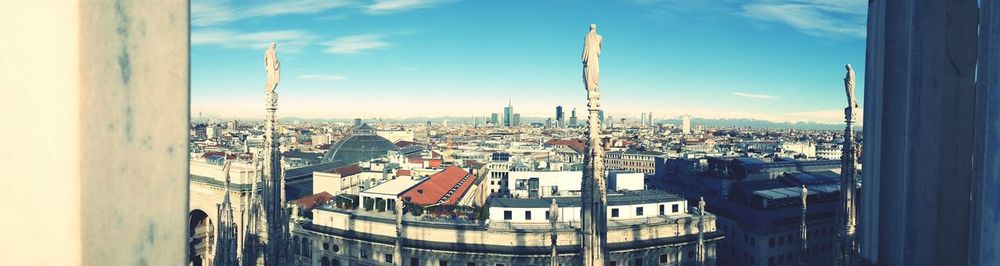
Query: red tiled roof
x=309, y=202
x=575, y=144
x=437, y=186
x=403, y=172
x=347, y=170
x=403, y=143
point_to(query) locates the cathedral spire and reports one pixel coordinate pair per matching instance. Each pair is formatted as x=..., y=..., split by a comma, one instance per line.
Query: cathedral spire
x=225, y=245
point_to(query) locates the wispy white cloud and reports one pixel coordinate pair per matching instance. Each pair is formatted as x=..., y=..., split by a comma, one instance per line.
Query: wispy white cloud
x=392, y=6
x=323, y=76
x=355, y=44
x=821, y=18
x=216, y=12
x=756, y=96
x=292, y=41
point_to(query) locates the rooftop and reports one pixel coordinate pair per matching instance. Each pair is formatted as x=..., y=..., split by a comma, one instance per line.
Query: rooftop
x=444, y=187
x=620, y=199
x=395, y=187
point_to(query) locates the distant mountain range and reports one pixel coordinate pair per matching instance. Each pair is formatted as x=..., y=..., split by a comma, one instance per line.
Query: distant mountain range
x=707, y=122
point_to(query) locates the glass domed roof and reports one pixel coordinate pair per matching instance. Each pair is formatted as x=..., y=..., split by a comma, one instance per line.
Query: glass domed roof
x=361, y=145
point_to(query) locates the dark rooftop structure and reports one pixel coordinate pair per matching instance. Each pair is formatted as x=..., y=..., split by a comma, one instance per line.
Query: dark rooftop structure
x=362, y=145
x=616, y=199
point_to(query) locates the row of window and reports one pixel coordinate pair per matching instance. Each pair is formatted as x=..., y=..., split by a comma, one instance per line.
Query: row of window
x=639, y=211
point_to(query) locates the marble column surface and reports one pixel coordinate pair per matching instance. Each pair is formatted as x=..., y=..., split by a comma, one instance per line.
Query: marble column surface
x=96, y=124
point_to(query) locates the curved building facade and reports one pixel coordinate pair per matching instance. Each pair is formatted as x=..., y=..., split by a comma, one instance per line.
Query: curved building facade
x=652, y=236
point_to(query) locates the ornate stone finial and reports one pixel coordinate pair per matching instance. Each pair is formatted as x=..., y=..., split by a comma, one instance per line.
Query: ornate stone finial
x=553, y=212
x=225, y=171
x=701, y=205
x=804, y=192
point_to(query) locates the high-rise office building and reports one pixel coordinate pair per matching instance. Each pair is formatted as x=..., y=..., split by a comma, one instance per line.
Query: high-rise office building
x=685, y=124
x=572, y=118
x=600, y=117
x=495, y=119
x=516, y=120
x=357, y=122
x=560, y=117
x=508, y=114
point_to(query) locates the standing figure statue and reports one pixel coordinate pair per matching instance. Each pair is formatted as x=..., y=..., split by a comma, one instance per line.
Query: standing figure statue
x=271, y=65
x=849, y=87
x=591, y=62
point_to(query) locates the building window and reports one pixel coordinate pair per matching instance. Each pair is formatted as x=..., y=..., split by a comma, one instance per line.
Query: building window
x=442, y=263
x=675, y=208
x=770, y=261
x=336, y=248
x=326, y=245
x=638, y=211
x=662, y=210
x=388, y=257
x=614, y=212
x=527, y=215
x=547, y=217
x=664, y=258
x=638, y=262
x=414, y=261
x=324, y=261
x=364, y=253
x=770, y=242
x=781, y=240
x=508, y=215
x=613, y=263
x=470, y=264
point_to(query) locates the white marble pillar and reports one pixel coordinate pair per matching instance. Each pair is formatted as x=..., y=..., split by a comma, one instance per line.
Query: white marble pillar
x=96, y=125
x=919, y=98
x=984, y=245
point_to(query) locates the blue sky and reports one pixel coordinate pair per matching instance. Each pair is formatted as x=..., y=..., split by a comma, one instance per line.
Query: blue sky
x=779, y=60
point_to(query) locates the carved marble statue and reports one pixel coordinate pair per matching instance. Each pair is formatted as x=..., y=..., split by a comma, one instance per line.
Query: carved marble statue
x=852, y=102
x=591, y=61
x=273, y=69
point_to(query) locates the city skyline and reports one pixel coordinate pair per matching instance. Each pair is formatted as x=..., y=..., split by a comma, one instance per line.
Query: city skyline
x=770, y=60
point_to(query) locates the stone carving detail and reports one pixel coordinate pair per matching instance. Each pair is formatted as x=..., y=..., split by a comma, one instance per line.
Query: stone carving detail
x=594, y=195
x=852, y=102
x=272, y=66
x=591, y=63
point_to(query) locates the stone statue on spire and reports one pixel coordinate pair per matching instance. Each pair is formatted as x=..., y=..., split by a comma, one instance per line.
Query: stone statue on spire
x=852, y=102
x=272, y=66
x=591, y=62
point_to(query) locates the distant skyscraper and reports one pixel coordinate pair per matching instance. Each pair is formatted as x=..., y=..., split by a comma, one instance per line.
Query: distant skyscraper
x=649, y=119
x=357, y=122
x=560, y=117
x=686, y=124
x=516, y=120
x=600, y=117
x=508, y=114
x=495, y=119
x=642, y=119
x=572, y=118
